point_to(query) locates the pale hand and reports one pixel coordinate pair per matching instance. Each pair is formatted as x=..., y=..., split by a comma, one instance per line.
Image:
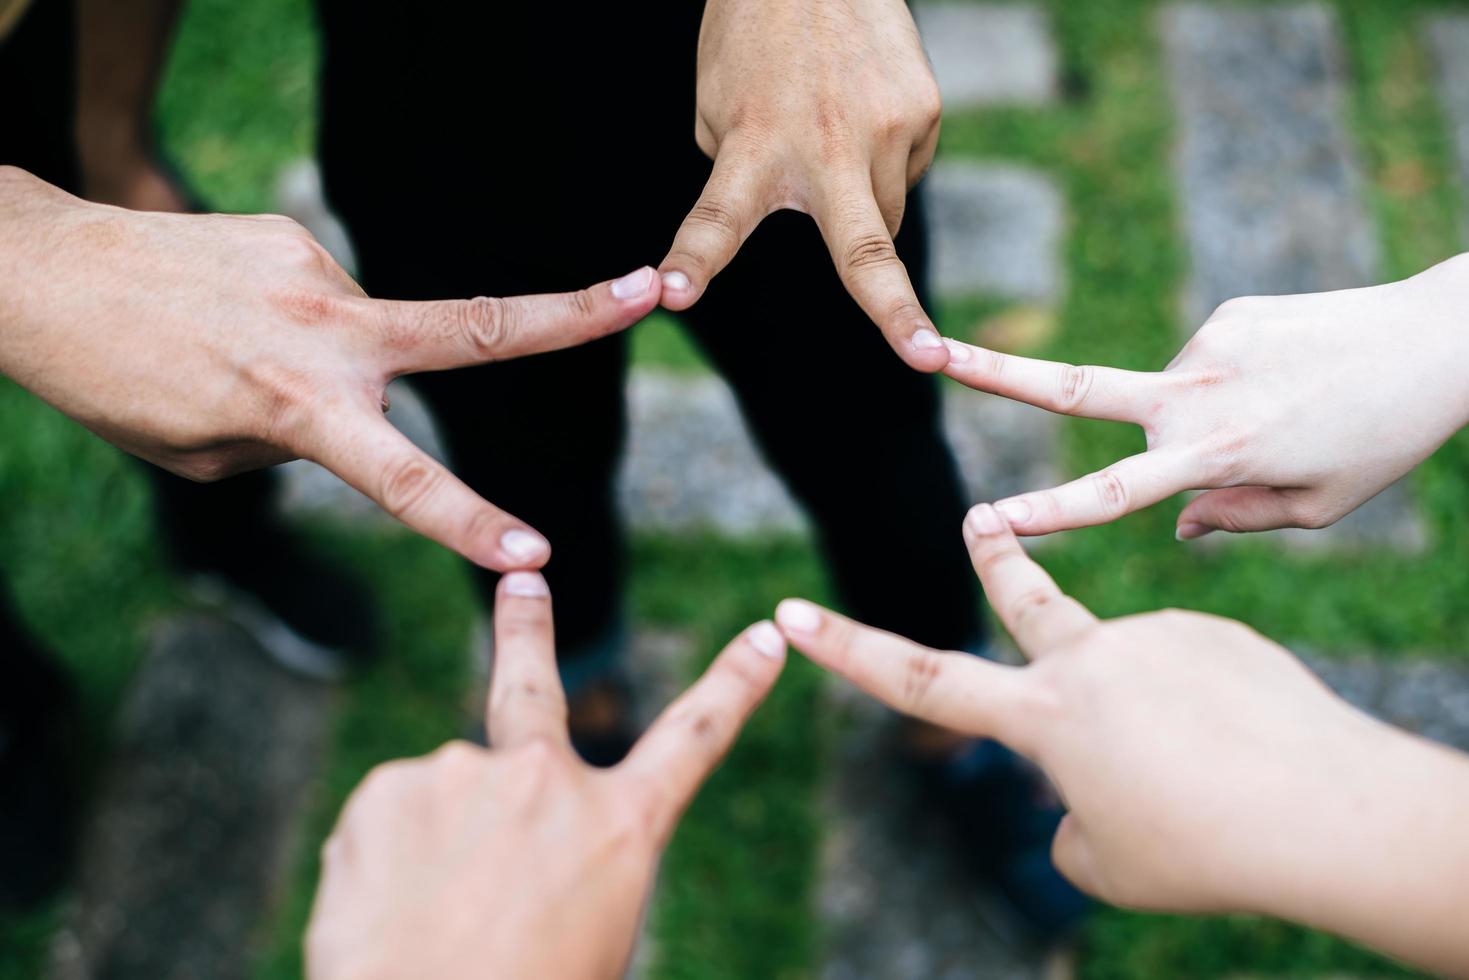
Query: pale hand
x=520, y=861
x=827, y=107
x=212, y=344
x=1291, y=410
x=1204, y=769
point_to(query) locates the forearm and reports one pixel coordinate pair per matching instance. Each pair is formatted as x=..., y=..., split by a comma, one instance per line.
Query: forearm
x=1389, y=863
x=121, y=49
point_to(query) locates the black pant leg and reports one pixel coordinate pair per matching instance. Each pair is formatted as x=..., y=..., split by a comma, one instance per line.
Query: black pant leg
x=856, y=434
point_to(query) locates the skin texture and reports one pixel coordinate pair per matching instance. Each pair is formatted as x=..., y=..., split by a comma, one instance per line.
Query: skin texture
x=1285, y=408
x=520, y=860
x=827, y=107
x=1203, y=767
x=212, y=344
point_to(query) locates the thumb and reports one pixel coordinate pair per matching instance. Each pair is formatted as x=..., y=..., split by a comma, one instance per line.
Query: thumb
x=1238, y=509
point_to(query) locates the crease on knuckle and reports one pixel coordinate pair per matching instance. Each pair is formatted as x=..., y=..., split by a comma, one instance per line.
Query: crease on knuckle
x=484, y=323
x=1031, y=603
x=1075, y=387
x=583, y=305
x=868, y=251
x=407, y=482
x=921, y=669
x=1112, y=493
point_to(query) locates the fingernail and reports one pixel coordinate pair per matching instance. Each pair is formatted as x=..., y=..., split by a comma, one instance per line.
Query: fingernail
x=527, y=585
x=633, y=285
x=798, y=616
x=983, y=519
x=675, y=281
x=1191, y=530
x=957, y=352
x=1015, y=511
x=523, y=545
x=926, y=340
x=765, y=638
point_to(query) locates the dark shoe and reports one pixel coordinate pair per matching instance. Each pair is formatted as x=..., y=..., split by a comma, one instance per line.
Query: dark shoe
x=39, y=740
x=309, y=615
x=1002, y=816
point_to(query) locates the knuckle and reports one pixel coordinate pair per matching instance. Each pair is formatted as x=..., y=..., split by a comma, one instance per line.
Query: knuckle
x=921, y=669
x=868, y=251
x=1032, y=603
x=310, y=307
x=1075, y=387
x=485, y=324
x=407, y=482
x=583, y=304
x=1112, y=492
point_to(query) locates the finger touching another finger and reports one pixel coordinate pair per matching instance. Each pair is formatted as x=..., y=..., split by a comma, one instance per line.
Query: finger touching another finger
x=526, y=699
x=958, y=691
x=688, y=740
x=733, y=202
x=1126, y=486
x=365, y=451
x=867, y=261
x=442, y=334
x=1067, y=389
x=1033, y=608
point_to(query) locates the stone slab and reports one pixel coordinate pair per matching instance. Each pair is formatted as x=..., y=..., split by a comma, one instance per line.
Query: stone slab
x=1447, y=36
x=1272, y=193
x=995, y=230
x=986, y=54
x=193, y=839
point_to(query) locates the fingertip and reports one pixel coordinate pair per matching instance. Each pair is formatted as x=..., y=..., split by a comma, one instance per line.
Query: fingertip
x=1016, y=512
x=522, y=548
x=678, y=290
x=958, y=352
x=924, y=351
x=767, y=640
x=525, y=585
x=984, y=521
x=798, y=618
x=1191, y=531
x=640, y=285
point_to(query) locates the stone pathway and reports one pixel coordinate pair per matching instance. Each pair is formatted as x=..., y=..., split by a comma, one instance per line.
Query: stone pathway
x=996, y=230
x=987, y=54
x=1447, y=36
x=192, y=840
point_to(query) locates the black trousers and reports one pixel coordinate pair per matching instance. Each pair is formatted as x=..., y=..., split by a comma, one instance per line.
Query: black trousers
x=474, y=150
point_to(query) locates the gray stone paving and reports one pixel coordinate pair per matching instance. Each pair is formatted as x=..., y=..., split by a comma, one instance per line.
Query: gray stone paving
x=1447, y=36
x=193, y=838
x=995, y=229
x=986, y=54
x=1272, y=193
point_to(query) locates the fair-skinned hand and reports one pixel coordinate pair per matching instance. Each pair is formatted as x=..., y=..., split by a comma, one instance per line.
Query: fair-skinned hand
x=1291, y=410
x=1203, y=767
x=827, y=107
x=212, y=344
x=520, y=861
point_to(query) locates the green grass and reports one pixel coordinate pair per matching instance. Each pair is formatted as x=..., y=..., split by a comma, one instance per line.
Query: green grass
x=736, y=899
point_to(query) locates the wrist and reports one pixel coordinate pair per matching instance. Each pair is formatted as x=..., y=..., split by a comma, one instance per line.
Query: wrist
x=1440, y=298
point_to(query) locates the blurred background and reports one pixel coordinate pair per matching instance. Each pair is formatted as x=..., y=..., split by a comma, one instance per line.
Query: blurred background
x=1109, y=171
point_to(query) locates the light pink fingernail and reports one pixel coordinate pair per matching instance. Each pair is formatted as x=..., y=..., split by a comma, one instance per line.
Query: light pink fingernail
x=675, y=281
x=798, y=616
x=983, y=519
x=521, y=545
x=958, y=352
x=633, y=285
x=926, y=340
x=765, y=638
x=527, y=585
x=1191, y=531
x=1015, y=511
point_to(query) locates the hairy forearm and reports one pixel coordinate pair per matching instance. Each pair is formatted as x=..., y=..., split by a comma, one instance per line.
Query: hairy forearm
x=1389, y=865
x=121, y=48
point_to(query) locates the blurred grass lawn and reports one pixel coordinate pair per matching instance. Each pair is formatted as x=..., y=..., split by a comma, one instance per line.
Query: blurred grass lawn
x=737, y=894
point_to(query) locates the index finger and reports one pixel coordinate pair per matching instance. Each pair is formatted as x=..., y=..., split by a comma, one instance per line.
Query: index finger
x=440, y=334
x=867, y=261
x=1033, y=608
x=1068, y=389
x=365, y=451
x=526, y=701
x=732, y=203
x=954, y=690
x=692, y=735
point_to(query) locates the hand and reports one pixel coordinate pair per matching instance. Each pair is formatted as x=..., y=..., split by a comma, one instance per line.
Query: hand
x=215, y=344
x=1203, y=767
x=1297, y=408
x=520, y=860
x=822, y=106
